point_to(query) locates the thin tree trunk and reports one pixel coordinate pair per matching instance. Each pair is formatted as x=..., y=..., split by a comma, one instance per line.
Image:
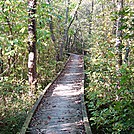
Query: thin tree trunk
x=52, y=34
x=11, y=59
x=90, y=19
x=65, y=30
x=119, y=34
x=75, y=15
x=127, y=52
x=69, y=42
x=1, y=61
x=32, y=45
x=65, y=35
x=118, y=44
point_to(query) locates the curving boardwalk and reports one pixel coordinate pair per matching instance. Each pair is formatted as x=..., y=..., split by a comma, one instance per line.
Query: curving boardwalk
x=60, y=110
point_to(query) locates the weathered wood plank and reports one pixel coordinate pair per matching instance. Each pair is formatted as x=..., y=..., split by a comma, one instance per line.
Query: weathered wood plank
x=32, y=111
x=60, y=109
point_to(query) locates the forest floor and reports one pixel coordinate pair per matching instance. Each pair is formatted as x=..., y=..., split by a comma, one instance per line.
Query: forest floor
x=60, y=111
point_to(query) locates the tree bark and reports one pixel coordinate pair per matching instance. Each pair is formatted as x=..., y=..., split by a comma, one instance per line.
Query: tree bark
x=119, y=33
x=32, y=44
x=65, y=30
x=51, y=27
x=11, y=59
x=65, y=36
x=127, y=52
x=118, y=44
x=74, y=16
x=1, y=61
x=90, y=18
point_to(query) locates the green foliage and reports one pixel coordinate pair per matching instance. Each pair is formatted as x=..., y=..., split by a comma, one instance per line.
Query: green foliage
x=15, y=103
x=109, y=92
x=14, y=87
x=111, y=109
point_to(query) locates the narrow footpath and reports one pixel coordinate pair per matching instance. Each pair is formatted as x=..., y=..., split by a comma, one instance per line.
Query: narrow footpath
x=60, y=111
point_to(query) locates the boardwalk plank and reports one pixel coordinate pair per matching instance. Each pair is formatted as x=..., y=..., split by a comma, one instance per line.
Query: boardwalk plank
x=61, y=108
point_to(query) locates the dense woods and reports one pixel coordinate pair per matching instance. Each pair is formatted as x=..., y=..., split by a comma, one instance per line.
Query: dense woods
x=35, y=36
x=110, y=67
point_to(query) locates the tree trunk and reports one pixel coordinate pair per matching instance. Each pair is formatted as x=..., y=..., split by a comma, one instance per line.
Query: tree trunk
x=118, y=44
x=90, y=18
x=127, y=52
x=65, y=30
x=1, y=61
x=11, y=59
x=65, y=35
x=119, y=33
x=32, y=45
x=51, y=27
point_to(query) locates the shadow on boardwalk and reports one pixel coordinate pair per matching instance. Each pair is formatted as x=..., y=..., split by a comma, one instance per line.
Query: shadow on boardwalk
x=60, y=111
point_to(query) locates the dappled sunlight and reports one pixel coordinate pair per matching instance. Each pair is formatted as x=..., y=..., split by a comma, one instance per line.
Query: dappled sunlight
x=68, y=74
x=61, y=109
x=65, y=90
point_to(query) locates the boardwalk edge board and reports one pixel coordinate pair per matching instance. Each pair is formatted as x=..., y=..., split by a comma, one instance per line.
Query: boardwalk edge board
x=84, y=113
x=85, y=118
x=32, y=111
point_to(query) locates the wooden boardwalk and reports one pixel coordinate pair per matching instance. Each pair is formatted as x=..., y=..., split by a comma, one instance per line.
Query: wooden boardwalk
x=61, y=109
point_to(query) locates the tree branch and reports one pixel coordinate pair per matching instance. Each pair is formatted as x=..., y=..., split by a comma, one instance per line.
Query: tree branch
x=75, y=14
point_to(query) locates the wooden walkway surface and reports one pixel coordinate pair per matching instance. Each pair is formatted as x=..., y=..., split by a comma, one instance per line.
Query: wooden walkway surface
x=61, y=109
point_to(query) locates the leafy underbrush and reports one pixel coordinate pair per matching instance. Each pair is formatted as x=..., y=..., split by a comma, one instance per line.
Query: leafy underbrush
x=15, y=104
x=15, y=98
x=110, y=98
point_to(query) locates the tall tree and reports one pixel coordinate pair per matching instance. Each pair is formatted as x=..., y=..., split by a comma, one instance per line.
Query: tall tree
x=65, y=42
x=1, y=60
x=65, y=34
x=32, y=44
x=66, y=21
x=51, y=27
x=11, y=58
x=119, y=32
